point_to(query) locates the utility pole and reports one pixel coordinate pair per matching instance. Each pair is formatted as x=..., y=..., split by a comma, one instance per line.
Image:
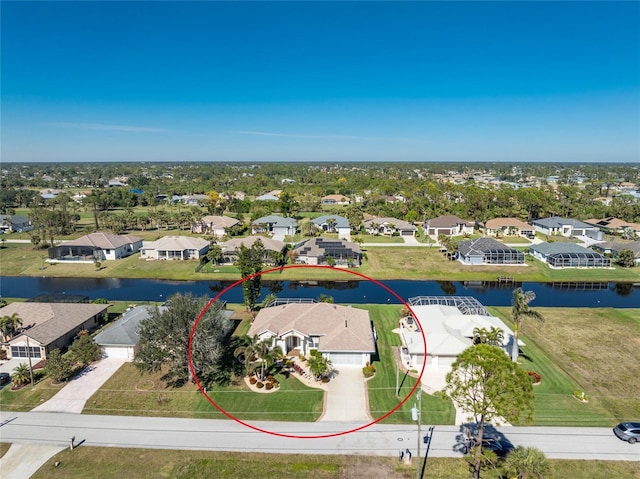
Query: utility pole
x=416, y=413
x=397, y=379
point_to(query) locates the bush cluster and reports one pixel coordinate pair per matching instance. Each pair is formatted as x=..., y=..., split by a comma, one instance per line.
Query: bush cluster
x=369, y=370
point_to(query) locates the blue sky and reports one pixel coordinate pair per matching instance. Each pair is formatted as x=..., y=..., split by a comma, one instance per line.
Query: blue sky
x=320, y=81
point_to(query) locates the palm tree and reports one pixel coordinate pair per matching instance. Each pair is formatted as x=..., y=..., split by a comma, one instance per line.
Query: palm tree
x=331, y=225
x=248, y=352
x=519, y=311
x=10, y=324
x=526, y=463
x=309, y=228
x=319, y=365
x=492, y=336
x=21, y=374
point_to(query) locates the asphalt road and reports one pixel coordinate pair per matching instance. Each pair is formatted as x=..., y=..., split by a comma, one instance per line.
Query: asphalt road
x=221, y=435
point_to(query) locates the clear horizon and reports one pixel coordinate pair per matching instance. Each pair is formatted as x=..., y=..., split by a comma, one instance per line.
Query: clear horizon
x=320, y=81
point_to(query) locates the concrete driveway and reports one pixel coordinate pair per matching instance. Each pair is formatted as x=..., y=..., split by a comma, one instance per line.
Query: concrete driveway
x=74, y=395
x=346, y=397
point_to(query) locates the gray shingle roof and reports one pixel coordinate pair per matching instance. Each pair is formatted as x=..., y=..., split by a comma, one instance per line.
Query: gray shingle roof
x=399, y=224
x=341, y=221
x=558, y=222
x=124, y=332
x=276, y=221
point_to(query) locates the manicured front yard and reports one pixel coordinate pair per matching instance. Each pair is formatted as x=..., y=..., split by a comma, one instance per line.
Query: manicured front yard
x=129, y=393
x=382, y=398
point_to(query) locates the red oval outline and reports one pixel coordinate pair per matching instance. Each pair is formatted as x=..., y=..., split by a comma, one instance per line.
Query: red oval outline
x=297, y=436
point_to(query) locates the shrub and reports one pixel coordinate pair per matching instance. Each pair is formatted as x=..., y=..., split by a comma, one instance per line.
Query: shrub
x=368, y=371
x=253, y=380
x=268, y=386
x=535, y=377
x=259, y=384
x=581, y=396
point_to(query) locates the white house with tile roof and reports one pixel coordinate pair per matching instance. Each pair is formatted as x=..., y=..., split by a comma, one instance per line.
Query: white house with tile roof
x=96, y=246
x=174, y=247
x=342, y=334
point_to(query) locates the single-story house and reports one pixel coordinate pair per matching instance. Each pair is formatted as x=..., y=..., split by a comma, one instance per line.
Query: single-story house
x=231, y=248
x=613, y=248
x=448, y=225
x=175, y=247
x=120, y=340
x=342, y=334
x=334, y=224
x=555, y=225
x=448, y=323
x=333, y=200
x=275, y=225
x=213, y=225
x=568, y=255
x=15, y=223
x=271, y=196
x=96, y=246
x=508, y=227
x=389, y=226
x=317, y=251
x=49, y=326
x=614, y=225
x=488, y=251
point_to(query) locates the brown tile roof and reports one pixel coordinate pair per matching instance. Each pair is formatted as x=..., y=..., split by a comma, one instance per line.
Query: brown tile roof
x=269, y=244
x=500, y=222
x=49, y=321
x=220, y=221
x=341, y=328
x=103, y=240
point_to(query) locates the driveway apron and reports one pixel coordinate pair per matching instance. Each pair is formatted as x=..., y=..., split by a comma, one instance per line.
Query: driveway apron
x=74, y=395
x=346, y=397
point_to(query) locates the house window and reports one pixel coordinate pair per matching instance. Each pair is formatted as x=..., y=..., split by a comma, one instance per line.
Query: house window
x=107, y=251
x=21, y=352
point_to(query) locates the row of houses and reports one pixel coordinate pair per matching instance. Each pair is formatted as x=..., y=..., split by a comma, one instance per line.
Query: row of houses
x=104, y=246
x=343, y=334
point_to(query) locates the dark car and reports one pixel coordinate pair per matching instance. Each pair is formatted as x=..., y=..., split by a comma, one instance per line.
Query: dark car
x=628, y=431
x=5, y=378
x=501, y=447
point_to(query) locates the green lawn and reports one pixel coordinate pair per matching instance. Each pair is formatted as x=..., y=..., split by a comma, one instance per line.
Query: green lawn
x=366, y=238
x=130, y=393
x=382, y=398
x=29, y=396
x=583, y=349
x=114, y=463
x=414, y=263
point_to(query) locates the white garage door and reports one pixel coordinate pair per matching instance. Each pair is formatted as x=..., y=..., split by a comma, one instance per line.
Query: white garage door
x=116, y=352
x=346, y=359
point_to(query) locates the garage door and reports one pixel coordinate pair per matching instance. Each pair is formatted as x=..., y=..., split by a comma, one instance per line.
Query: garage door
x=346, y=359
x=115, y=352
x=406, y=233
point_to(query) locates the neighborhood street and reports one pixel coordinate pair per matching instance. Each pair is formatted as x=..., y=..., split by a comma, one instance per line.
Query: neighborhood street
x=56, y=429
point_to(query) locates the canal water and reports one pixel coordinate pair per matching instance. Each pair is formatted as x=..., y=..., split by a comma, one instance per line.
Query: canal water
x=490, y=293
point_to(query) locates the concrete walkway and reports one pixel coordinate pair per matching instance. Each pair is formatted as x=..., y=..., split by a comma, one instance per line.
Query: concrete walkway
x=23, y=460
x=346, y=397
x=74, y=395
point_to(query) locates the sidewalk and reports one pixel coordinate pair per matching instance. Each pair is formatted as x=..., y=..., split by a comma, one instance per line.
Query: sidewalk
x=22, y=460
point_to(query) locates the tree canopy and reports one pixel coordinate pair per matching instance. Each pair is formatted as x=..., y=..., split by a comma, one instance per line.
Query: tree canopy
x=164, y=341
x=485, y=383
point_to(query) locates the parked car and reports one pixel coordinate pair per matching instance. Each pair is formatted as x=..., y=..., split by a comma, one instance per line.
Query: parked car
x=628, y=431
x=5, y=378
